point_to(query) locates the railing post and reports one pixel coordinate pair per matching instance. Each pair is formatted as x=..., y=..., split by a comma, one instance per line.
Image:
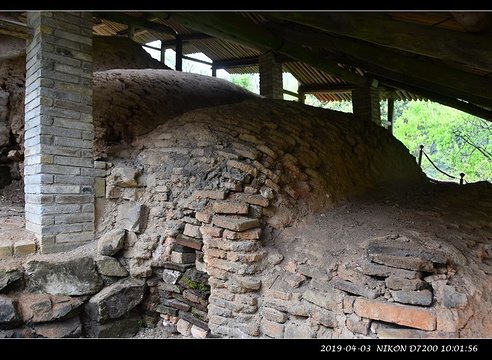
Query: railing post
x=420, y=154
x=462, y=175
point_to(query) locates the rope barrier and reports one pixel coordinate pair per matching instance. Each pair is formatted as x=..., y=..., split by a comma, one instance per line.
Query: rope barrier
x=435, y=166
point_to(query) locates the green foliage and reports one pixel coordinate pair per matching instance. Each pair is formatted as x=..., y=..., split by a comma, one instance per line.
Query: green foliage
x=194, y=285
x=244, y=80
x=455, y=141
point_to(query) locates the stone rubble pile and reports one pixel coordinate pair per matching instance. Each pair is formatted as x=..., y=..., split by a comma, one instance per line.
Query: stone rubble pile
x=400, y=287
x=214, y=182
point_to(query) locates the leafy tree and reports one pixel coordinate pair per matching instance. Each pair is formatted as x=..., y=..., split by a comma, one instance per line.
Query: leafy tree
x=454, y=141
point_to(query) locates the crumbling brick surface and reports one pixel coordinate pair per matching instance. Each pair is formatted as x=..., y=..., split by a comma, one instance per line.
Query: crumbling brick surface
x=250, y=218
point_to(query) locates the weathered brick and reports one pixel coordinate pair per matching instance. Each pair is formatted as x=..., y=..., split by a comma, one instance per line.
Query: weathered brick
x=326, y=300
x=230, y=207
x=247, y=258
x=236, y=224
x=373, y=269
x=189, y=242
x=253, y=199
x=6, y=250
x=274, y=177
x=233, y=245
x=243, y=167
x=176, y=304
x=417, y=297
x=211, y=231
x=272, y=329
x=198, y=333
x=209, y=194
x=354, y=288
x=184, y=327
x=192, y=231
x=25, y=246
x=182, y=258
x=411, y=316
x=252, y=234
x=399, y=283
x=403, y=262
x=274, y=315
x=266, y=150
x=166, y=310
x=203, y=217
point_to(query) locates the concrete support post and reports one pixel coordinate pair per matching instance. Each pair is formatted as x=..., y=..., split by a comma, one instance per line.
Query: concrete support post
x=365, y=103
x=59, y=131
x=271, y=81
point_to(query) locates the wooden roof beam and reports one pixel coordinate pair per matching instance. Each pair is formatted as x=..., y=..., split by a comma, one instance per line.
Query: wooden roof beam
x=14, y=28
x=326, y=89
x=475, y=50
x=384, y=63
x=242, y=31
x=122, y=18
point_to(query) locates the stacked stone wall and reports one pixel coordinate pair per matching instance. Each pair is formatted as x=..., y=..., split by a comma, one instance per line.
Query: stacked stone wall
x=217, y=182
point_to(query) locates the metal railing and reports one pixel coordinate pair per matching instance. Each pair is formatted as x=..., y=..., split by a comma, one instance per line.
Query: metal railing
x=462, y=175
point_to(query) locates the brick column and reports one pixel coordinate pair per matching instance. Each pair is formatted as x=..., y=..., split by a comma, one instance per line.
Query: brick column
x=365, y=102
x=271, y=82
x=59, y=132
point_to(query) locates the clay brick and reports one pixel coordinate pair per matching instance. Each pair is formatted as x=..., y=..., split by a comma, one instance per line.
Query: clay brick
x=184, y=327
x=253, y=234
x=243, y=167
x=413, y=297
x=192, y=231
x=272, y=185
x=6, y=250
x=24, y=247
x=233, y=245
x=398, y=283
x=403, y=262
x=326, y=300
x=203, y=217
x=266, y=150
x=373, y=269
x=230, y=207
x=236, y=224
x=272, y=329
x=410, y=316
x=247, y=258
x=354, y=288
x=211, y=231
x=253, y=199
x=210, y=194
x=275, y=315
x=274, y=177
x=189, y=242
x=176, y=304
x=198, y=333
x=182, y=258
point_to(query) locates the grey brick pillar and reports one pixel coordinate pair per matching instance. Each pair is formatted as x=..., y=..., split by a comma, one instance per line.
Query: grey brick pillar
x=59, y=131
x=365, y=103
x=271, y=82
